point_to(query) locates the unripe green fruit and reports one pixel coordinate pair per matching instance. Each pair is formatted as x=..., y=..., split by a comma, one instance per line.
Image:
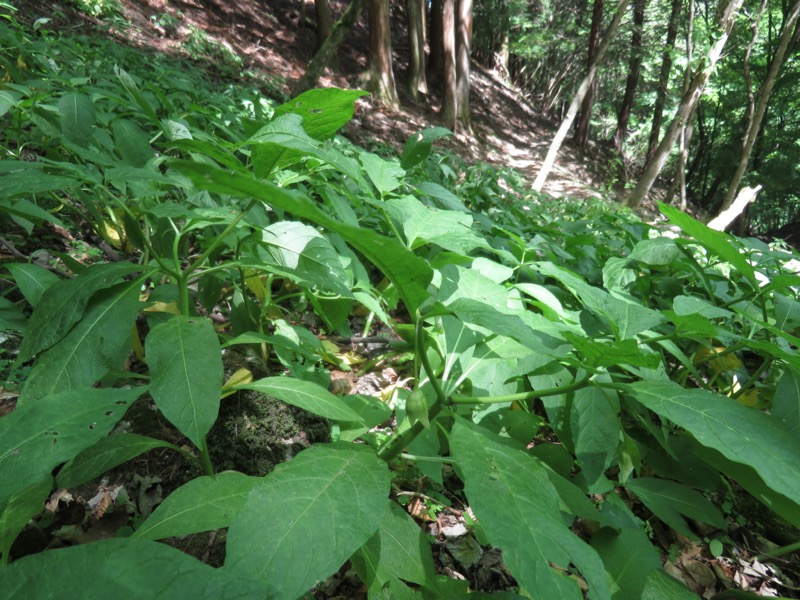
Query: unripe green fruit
x=417, y=408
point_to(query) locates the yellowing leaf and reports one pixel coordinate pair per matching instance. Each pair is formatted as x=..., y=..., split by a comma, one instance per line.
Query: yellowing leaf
x=255, y=284
x=727, y=361
x=167, y=307
x=240, y=377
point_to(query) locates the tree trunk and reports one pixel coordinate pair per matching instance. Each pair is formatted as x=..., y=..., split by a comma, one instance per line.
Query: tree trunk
x=634, y=64
x=450, y=104
x=417, y=83
x=324, y=21
x=582, y=130
x=436, y=58
x=764, y=94
x=727, y=16
x=381, y=78
x=555, y=145
x=463, y=43
x=663, y=78
x=327, y=51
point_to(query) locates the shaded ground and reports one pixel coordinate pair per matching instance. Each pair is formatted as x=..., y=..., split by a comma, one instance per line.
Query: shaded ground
x=277, y=38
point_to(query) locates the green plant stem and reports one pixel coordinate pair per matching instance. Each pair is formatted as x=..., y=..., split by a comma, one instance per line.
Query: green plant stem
x=523, y=396
x=435, y=459
x=419, y=343
x=778, y=552
x=205, y=458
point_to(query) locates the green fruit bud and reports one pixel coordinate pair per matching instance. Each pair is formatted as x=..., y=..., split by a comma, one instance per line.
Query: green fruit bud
x=417, y=408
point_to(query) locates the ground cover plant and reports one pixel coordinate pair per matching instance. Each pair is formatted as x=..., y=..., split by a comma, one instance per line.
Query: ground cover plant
x=575, y=378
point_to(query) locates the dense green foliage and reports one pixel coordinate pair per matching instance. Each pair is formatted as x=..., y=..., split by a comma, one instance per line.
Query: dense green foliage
x=571, y=358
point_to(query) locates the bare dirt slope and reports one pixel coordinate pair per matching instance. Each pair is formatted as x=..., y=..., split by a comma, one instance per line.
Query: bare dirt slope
x=277, y=38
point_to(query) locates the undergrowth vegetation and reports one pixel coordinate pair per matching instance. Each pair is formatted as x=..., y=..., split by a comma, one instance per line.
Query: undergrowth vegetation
x=571, y=374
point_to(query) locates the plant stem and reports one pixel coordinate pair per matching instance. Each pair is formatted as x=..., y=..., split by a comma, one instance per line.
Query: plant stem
x=205, y=458
x=436, y=459
x=523, y=396
x=778, y=552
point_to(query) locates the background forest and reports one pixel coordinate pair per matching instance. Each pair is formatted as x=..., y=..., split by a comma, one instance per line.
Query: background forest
x=379, y=299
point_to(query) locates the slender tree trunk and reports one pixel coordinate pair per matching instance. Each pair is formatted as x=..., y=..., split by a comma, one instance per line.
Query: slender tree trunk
x=324, y=21
x=381, y=77
x=450, y=104
x=325, y=54
x=727, y=15
x=634, y=65
x=764, y=94
x=417, y=83
x=463, y=44
x=555, y=145
x=582, y=129
x=436, y=58
x=663, y=78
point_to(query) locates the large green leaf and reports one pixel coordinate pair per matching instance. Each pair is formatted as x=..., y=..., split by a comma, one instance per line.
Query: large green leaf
x=786, y=403
x=77, y=118
x=32, y=280
x=203, y=504
x=97, y=344
x=324, y=111
x=660, y=586
x=671, y=501
x=310, y=515
x=20, y=509
x=384, y=174
x=718, y=242
x=132, y=143
x=595, y=426
x=398, y=549
x=121, y=569
x=27, y=178
x=741, y=434
x=186, y=374
x=63, y=304
x=629, y=556
x=38, y=436
x=106, y=454
x=409, y=273
x=306, y=395
x=518, y=508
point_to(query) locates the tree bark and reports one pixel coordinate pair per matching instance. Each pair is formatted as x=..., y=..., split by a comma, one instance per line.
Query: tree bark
x=327, y=51
x=463, y=44
x=324, y=21
x=634, y=64
x=582, y=129
x=727, y=15
x=663, y=78
x=764, y=94
x=381, y=77
x=417, y=82
x=555, y=145
x=450, y=104
x=436, y=58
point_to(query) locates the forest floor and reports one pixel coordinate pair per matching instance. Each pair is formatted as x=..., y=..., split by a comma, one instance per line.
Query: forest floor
x=276, y=39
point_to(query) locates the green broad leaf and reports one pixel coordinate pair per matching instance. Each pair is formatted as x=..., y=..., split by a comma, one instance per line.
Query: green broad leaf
x=720, y=243
x=690, y=305
x=409, y=273
x=77, y=118
x=312, y=514
x=371, y=412
x=19, y=177
x=324, y=111
x=132, y=143
x=398, y=549
x=441, y=196
x=660, y=586
x=97, y=344
x=595, y=426
x=107, y=453
x=306, y=395
x=629, y=557
x=135, y=93
x=8, y=100
x=787, y=313
x=671, y=501
x=12, y=317
x=385, y=175
x=657, y=252
x=613, y=353
x=305, y=251
x=203, y=504
x=122, y=569
x=20, y=509
x=38, y=436
x=63, y=304
x=741, y=434
x=419, y=145
x=186, y=374
x=518, y=509
x=32, y=280
x=786, y=402
x=447, y=229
